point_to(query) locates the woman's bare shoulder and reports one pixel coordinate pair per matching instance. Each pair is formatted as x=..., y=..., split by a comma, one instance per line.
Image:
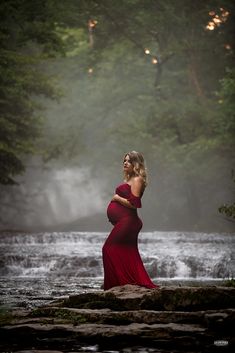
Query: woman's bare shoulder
x=137, y=185
x=138, y=179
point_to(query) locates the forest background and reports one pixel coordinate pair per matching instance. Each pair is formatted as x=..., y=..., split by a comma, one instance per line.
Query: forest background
x=83, y=82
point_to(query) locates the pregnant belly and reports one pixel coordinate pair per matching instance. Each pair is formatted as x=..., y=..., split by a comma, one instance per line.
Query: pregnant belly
x=116, y=212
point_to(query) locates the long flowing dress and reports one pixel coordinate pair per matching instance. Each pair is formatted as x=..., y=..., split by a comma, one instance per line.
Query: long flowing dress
x=121, y=259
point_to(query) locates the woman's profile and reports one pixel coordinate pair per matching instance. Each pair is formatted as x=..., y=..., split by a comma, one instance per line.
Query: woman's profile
x=121, y=259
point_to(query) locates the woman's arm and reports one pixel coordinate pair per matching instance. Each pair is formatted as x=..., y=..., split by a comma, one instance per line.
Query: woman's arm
x=122, y=201
x=136, y=191
x=137, y=186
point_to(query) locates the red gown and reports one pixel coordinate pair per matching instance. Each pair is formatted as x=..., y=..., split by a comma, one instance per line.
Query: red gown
x=121, y=258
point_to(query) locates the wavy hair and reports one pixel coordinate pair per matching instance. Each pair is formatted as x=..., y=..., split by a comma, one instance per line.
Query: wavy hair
x=139, y=169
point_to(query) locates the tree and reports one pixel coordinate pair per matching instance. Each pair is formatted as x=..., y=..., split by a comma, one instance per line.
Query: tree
x=27, y=35
x=153, y=81
x=227, y=125
x=146, y=81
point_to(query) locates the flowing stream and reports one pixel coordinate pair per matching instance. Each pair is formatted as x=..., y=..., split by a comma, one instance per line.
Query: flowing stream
x=39, y=267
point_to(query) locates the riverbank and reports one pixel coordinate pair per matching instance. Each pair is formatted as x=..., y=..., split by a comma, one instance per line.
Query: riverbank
x=127, y=319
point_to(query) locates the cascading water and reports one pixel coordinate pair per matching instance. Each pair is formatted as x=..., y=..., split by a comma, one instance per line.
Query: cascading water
x=38, y=267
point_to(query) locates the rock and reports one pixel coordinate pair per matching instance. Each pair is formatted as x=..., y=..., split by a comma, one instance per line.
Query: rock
x=165, y=319
x=167, y=298
x=37, y=351
x=107, y=316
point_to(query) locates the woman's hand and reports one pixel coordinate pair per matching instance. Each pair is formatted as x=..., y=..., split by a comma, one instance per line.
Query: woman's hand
x=116, y=197
x=122, y=201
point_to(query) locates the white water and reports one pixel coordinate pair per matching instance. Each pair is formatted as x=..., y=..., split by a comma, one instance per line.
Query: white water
x=45, y=265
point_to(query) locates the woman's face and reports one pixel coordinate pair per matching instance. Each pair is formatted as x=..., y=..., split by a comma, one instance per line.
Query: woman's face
x=127, y=166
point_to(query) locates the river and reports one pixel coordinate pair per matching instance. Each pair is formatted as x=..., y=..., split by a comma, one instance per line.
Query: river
x=39, y=267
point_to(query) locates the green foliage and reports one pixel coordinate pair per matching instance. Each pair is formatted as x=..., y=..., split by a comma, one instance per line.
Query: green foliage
x=27, y=35
x=227, y=125
x=230, y=283
x=228, y=210
x=227, y=104
x=179, y=111
x=170, y=110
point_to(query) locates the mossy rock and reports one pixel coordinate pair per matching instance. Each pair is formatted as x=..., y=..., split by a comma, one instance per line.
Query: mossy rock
x=95, y=301
x=59, y=313
x=166, y=298
x=190, y=299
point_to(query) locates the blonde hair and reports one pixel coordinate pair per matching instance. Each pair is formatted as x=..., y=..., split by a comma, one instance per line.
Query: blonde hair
x=139, y=169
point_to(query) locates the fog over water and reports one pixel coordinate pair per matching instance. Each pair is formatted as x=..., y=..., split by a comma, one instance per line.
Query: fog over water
x=87, y=133
x=51, y=198
x=72, y=198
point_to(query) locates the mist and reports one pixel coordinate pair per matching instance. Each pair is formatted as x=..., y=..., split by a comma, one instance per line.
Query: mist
x=51, y=198
x=71, y=192
x=74, y=198
x=90, y=136
x=114, y=100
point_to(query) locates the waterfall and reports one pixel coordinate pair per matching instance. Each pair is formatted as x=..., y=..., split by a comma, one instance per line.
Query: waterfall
x=44, y=264
x=165, y=254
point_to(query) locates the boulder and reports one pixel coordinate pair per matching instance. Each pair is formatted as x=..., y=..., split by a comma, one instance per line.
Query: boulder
x=129, y=318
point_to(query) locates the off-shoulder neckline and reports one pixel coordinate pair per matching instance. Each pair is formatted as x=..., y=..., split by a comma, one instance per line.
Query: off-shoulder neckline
x=130, y=187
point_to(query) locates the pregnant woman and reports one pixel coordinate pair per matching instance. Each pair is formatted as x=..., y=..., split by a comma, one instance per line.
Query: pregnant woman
x=121, y=258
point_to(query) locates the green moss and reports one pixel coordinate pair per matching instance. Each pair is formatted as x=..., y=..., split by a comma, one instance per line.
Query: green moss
x=62, y=314
x=230, y=283
x=6, y=316
x=95, y=301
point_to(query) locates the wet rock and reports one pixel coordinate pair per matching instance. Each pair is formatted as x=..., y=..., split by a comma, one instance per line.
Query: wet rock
x=167, y=298
x=37, y=351
x=165, y=319
x=150, y=317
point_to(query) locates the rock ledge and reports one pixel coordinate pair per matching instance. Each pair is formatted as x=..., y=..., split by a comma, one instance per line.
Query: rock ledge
x=168, y=319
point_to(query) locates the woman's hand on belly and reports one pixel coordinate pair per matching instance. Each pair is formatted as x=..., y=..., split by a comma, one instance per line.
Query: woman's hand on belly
x=115, y=197
x=122, y=201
